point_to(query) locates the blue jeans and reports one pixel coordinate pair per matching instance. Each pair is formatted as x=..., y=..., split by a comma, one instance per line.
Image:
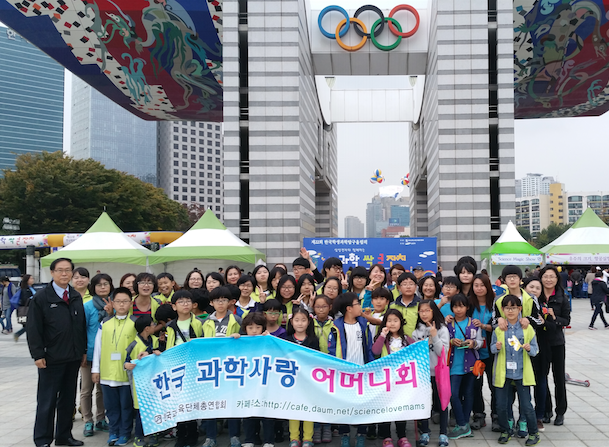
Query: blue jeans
x=119, y=409
x=462, y=385
x=504, y=397
x=6, y=316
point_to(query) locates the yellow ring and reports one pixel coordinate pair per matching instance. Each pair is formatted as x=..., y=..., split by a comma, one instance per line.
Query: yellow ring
x=342, y=23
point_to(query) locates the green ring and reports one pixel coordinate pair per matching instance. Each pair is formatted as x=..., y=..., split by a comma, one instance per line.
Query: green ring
x=388, y=47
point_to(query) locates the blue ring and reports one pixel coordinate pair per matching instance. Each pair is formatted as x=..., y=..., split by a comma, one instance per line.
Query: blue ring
x=322, y=14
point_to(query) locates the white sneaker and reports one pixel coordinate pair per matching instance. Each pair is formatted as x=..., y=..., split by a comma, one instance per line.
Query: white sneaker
x=247, y=444
x=268, y=445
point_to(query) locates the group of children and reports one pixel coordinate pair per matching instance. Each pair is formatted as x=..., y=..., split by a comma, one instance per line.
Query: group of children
x=308, y=312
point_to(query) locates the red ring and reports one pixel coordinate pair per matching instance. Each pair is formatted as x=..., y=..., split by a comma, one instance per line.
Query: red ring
x=413, y=11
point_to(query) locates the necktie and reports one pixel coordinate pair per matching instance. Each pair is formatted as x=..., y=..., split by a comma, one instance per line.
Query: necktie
x=65, y=296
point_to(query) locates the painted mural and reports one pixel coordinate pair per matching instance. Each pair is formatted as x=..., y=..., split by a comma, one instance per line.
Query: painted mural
x=160, y=59
x=561, y=58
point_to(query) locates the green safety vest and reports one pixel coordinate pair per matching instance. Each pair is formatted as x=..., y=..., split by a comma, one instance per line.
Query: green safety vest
x=499, y=365
x=115, y=337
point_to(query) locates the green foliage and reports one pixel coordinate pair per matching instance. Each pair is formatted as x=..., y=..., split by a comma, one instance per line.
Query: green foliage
x=525, y=233
x=549, y=234
x=53, y=193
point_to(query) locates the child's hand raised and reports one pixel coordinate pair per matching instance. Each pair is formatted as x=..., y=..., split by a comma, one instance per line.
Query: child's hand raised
x=298, y=300
x=384, y=331
x=433, y=330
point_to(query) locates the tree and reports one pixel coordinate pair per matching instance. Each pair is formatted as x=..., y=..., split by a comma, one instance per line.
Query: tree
x=549, y=234
x=53, y=193
x=195, y=211
x=525, y=233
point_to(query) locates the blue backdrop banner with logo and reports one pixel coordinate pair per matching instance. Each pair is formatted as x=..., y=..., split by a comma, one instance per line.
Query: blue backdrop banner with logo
x=410, y=252
x=266, y=376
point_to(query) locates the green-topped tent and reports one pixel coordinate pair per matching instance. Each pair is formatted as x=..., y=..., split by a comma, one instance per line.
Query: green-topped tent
x=206, y=246
x=586, y=242
x=103, y=247
x=510, y=249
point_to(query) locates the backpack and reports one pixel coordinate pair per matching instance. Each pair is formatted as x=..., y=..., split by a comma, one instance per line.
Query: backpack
x=15, y=298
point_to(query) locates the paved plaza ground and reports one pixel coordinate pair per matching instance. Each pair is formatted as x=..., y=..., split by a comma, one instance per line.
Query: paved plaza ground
x=586, y=422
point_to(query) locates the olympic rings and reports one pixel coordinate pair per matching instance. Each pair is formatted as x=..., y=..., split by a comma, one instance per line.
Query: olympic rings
x=391, y=20
x=354, y=47
x=377, y=28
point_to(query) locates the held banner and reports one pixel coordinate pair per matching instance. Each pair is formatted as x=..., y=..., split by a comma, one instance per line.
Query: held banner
x=266, y=376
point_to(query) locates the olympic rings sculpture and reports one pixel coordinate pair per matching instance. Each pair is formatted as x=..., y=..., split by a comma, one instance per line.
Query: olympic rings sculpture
x=361, y=30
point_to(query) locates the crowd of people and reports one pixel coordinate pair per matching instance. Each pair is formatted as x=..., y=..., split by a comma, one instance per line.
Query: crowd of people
x=512, y=333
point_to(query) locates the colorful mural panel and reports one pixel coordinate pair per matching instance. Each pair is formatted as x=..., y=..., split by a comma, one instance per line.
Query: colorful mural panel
x=160, y=59
x=561, y=59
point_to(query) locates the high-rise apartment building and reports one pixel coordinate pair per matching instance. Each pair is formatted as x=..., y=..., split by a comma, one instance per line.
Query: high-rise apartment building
x=31, y=100
x=533, y=213
x=354, y=227
x=533, y=185
x=104, y=131
x=190, y=163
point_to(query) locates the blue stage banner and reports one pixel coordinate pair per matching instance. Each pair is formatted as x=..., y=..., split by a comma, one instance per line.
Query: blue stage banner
x=266, y=376
x=409, y=252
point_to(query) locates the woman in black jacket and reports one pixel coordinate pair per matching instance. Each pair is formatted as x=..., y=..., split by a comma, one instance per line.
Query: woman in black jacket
x=598, y=297
x=559, y=316
x=27, y=292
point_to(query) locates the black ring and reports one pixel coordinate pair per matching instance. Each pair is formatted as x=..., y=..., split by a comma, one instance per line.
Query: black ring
x=372, y=8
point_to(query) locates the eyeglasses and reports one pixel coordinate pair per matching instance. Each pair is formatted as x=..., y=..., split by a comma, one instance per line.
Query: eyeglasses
x=511, y=308
x=356, y=303
x=449, y=287
x=332, y=289
x=183, y=301
x=145, y=283
x=287, y=287
x=103, y=284
x=336, y=267
x=221, y=300
x=272, y=314
x=325, y=306
x=298, y=268
x=62, y=271
x=122, y=301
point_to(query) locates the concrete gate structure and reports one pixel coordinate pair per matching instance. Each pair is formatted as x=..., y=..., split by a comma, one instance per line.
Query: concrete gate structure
x=266, y=67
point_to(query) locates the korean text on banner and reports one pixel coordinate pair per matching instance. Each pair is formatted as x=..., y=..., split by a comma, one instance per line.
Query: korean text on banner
x=270, y=377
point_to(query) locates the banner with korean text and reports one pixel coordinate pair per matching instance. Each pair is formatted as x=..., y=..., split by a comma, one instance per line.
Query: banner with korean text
x=266, y=376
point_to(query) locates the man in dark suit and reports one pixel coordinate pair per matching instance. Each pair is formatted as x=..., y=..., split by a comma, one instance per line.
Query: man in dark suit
x=57, y=338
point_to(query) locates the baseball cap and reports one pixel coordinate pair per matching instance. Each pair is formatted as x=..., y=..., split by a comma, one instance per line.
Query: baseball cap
x=418, y=267
x=597, y=267
x=4, y=279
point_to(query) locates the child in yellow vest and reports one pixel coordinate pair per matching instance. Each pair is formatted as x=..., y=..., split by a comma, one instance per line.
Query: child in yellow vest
x=222, y=323
x=181, y=330
x=115, y=333
x=145, y=343
x=512, y=367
